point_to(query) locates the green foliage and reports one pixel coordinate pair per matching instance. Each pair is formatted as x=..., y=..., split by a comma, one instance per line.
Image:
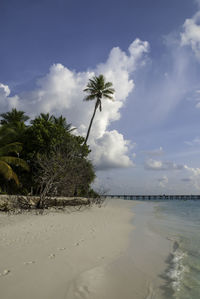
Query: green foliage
x=13, y=117
x=45, y=133
x=8, y=158
x=45, y=146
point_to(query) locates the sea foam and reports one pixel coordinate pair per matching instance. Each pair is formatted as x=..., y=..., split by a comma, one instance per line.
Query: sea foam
x=176, y=270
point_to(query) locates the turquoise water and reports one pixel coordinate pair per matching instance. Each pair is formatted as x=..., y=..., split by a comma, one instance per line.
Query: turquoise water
x=179, y=221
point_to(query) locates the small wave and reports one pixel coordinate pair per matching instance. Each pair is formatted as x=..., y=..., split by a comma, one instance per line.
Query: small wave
x=176, y=270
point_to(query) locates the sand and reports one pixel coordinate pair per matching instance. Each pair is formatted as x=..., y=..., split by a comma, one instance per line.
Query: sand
x=95, y=253
x=42, y=256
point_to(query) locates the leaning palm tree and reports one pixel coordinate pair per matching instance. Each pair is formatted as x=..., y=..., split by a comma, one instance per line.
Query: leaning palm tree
x=97, y=89
x=7, y=159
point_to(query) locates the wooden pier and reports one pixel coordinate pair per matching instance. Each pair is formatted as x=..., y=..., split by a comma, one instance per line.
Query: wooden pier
x=155, y=197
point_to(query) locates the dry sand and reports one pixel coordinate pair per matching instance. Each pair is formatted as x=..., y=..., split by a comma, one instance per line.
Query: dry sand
x=44, y=256
x=90, y=254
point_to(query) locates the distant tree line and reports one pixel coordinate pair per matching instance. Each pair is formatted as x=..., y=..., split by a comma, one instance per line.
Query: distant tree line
x=43, y=157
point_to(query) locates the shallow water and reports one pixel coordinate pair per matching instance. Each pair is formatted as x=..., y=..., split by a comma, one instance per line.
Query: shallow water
x=162, y=261
x=179, y=221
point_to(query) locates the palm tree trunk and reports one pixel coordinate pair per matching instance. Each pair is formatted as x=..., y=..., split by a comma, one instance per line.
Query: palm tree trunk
x=88, y=132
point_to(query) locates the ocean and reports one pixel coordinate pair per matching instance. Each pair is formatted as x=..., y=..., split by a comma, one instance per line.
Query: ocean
x=179, y=221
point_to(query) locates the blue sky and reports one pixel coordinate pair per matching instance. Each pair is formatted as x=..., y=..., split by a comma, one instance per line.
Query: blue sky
x=147, y=141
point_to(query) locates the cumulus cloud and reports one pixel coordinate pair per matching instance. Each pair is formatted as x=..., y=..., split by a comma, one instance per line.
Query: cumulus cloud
x=60, y=91
x=119, y=66
x=111, y=151
x=151, y=164
x=191, y=34
x=163, y=181
x=7, y=102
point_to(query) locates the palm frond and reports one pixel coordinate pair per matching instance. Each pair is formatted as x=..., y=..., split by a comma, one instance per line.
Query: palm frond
x=12, y=117
x=5, y=170
x=90, y=97
x=15, y=147
x=15, y=161
x=107, y=92
x=15, y=178
x=110, y=90
x=108, y=85
x=108, y=97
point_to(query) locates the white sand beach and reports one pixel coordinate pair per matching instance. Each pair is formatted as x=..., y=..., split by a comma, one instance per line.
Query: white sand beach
x=81, y=254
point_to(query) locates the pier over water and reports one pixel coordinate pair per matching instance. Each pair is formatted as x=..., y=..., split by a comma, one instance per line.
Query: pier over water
x=155, y=197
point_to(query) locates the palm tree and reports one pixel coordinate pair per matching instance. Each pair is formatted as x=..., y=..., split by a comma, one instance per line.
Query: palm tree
x=13, y=117
x=6, y=160
x=61, y=122
x=97, y=89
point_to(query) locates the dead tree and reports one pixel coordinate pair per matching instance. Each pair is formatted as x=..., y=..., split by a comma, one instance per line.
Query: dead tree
x=62, y=173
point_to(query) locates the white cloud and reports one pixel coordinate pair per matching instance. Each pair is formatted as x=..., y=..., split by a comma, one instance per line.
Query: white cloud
x=7, y=102
x=61, y=92
x=195, y=176
x=119, y=66
x=163, y=181
x=151, y=164
x=111, y=151
x=191, y=34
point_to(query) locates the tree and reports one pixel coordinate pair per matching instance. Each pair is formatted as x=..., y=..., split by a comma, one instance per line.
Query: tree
x=97, y=89
x=8, y=157
x=64, y=172
x=13, y=117
x=45, y=134
x=12, y=130
x=57, y=159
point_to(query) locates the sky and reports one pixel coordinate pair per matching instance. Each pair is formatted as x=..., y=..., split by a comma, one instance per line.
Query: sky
x=146, y=141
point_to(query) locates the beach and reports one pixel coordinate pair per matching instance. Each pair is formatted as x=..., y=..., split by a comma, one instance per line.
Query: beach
x=95, y=253
x=43, y=256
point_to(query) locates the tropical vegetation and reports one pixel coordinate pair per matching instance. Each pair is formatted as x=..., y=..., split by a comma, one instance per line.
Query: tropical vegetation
x=43, y=156
x=97, y=89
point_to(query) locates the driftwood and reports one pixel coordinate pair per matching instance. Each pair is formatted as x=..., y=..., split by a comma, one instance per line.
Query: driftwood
x=16, y=202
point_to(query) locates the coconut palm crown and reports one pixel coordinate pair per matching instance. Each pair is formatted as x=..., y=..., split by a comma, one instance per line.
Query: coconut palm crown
x=13, y=117
x=97, y=89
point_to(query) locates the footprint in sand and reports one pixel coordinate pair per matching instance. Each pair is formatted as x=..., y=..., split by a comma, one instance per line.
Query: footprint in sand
x=78, y=243
x=5, y=272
